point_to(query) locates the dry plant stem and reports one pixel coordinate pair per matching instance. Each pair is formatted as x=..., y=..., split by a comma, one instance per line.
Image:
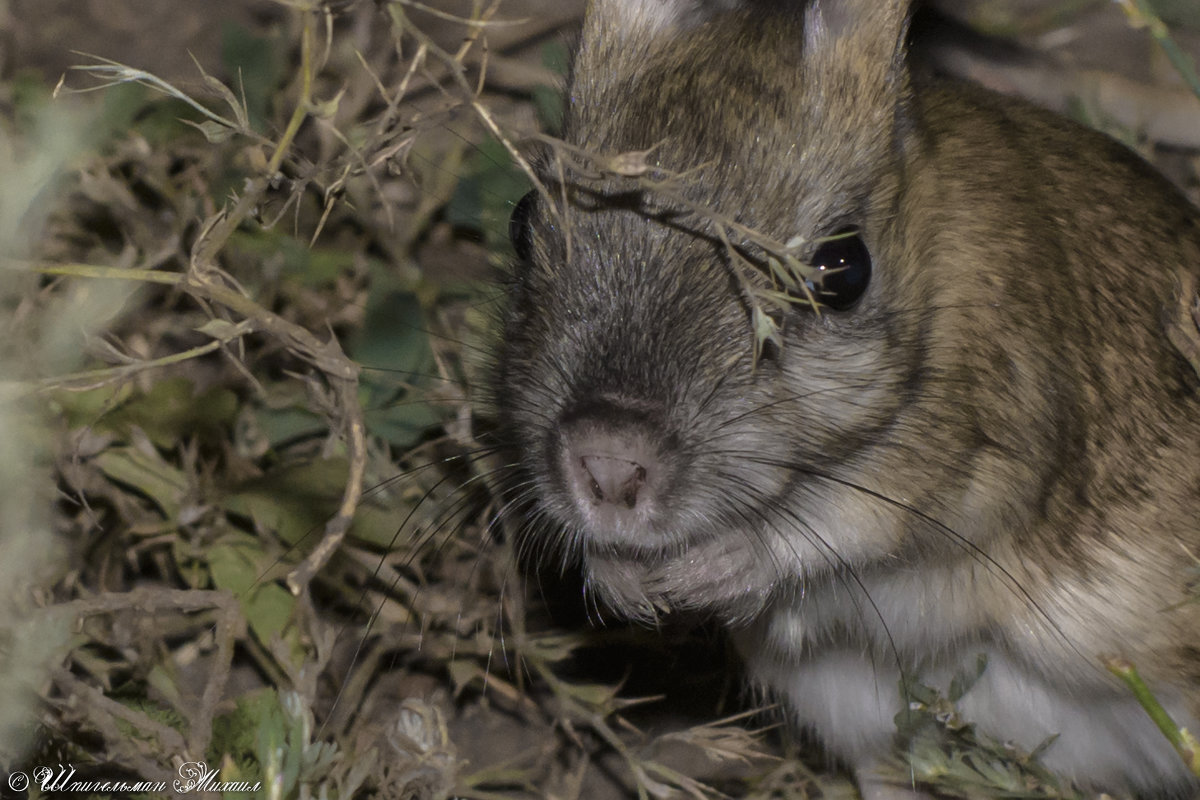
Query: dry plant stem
x=97, y=377
x=513, y=770
x=230, y=628
x=382, y=127
x=353, y=688
x=91, y=379
x=473, y=23
x=1181, y=739
x=632, y=167
x=105, y=714
x=304, y=105
x=204, y=281
x=1142, y=15
x=115, y=73
x=94, y=271
x=1184, y=328
x=574, y=711
x=509, y=35
x=635, y=169
x=393, y=103
x=457, y=71
x=328, y=357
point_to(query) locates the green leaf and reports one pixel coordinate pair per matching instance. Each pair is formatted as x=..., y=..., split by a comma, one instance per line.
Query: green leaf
x=294, y=501
x=402, y=421
x=256, y=64
x=164, y=683
x=268, y=609
x=214, y=132
x=308, y=266
x=234, y=772
x=380, y=527
x=169, y=412
x=283, y=425
x=548, y=100
x=159, y=713
x=270, y=741
x=218, y=328
x=394, y=335
x=484, y=199
x=962, y=682
x=298, y=723
x=237, y=563
x=235, y=733
x=148, y=473
x=393, y=345
x=1185, y=13
x=87, y=407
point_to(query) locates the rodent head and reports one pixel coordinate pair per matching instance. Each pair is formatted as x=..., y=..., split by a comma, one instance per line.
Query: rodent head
x=647, y=429
x=652, y=443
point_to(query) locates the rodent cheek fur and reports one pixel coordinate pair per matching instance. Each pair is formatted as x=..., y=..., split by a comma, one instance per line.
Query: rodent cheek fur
x=743, y=512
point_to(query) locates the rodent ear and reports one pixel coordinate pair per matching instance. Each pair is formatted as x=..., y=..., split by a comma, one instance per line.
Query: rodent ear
x=647, y=18
x=618, y=37
x=869, y=32
x=885, y=21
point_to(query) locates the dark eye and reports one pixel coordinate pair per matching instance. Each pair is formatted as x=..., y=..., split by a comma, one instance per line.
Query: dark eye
x=519, y=232
x=844, y=270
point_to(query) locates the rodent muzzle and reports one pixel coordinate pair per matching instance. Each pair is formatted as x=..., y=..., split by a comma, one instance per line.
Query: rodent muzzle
x=613, y=474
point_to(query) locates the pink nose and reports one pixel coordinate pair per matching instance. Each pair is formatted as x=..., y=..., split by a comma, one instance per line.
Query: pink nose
x=612, y=479
x=614, y=476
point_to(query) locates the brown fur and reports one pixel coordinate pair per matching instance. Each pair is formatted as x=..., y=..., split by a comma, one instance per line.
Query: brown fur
x=998, y=449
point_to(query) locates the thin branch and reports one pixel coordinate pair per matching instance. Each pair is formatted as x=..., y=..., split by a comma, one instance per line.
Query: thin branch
x=1183, y=329
x=1142, y=15
x=1181, y=739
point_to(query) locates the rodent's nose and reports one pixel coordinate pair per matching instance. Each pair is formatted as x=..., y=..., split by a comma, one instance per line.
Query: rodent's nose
x=613, y=474
x=613, y=479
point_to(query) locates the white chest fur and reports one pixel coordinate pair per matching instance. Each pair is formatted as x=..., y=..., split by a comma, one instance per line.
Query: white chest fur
x=835, y=661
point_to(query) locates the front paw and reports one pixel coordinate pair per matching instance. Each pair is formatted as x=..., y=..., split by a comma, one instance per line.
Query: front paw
x=623, y=587
x=727, y=584
x=722, y=578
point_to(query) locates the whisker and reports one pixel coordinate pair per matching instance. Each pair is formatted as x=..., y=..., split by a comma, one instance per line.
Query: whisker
x=977, y=553
x=840, y=568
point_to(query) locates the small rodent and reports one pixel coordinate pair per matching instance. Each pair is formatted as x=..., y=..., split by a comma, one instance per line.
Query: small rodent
x=984, y=443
